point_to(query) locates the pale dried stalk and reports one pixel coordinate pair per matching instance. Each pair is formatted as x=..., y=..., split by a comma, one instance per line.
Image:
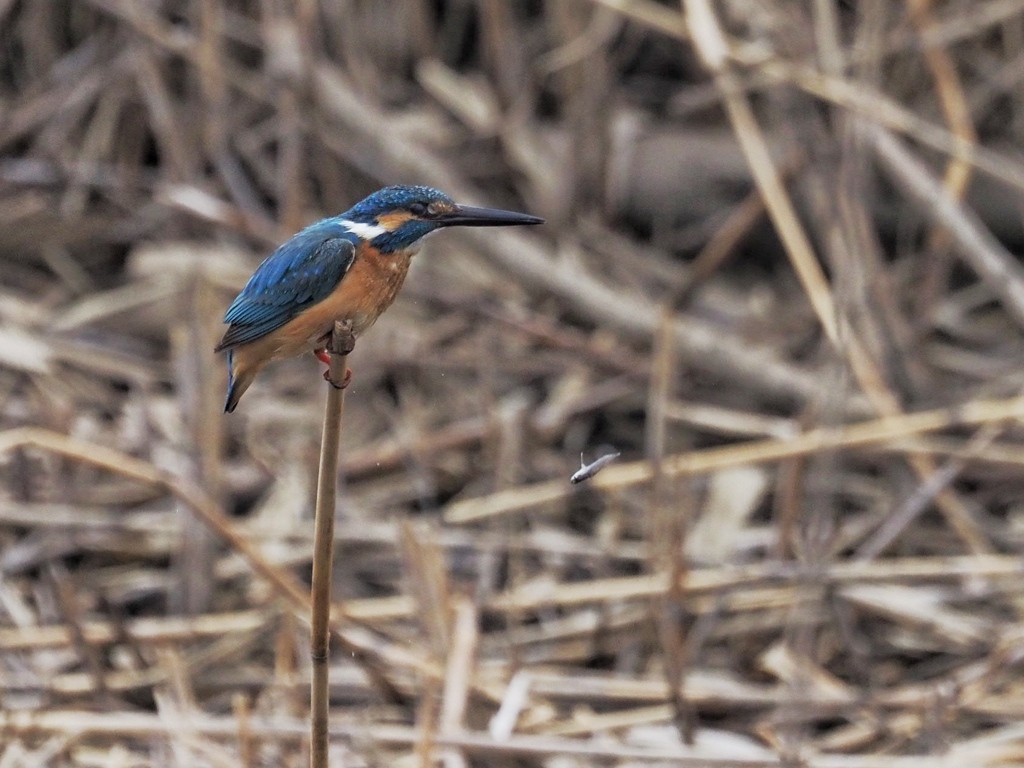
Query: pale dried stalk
x=711, y=46
x=323, y=547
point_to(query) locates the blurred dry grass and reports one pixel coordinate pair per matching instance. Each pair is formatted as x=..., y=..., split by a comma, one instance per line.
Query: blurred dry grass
x=810, y=550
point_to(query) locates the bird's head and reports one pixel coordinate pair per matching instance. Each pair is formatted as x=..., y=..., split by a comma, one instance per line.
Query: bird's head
x=395, y=218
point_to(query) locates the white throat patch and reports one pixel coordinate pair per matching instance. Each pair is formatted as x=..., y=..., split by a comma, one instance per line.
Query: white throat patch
x=365, y=231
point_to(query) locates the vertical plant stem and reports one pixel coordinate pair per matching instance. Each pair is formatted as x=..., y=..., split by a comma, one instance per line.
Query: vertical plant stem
x=323, y=546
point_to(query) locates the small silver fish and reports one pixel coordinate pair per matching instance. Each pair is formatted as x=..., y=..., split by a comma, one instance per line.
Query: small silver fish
x=587, y=471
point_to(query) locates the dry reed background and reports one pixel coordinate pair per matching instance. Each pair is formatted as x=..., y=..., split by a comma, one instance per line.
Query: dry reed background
x=825, y=421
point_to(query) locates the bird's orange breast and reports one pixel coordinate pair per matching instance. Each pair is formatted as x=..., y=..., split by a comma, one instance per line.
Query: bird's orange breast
x=368, y=288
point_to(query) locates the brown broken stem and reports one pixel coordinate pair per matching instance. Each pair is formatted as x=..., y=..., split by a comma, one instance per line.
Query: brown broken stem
x=340, y=345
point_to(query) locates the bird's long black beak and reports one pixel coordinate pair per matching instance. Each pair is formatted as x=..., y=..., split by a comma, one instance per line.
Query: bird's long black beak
x=467, y=216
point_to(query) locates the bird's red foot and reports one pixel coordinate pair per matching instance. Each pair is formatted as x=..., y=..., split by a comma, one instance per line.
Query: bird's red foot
x=323, y=356
x=333, y=383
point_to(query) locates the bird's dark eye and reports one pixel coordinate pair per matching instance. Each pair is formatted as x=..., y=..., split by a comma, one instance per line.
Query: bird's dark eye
x=418, y=209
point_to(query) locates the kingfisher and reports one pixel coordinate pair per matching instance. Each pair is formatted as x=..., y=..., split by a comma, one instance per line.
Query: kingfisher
x=344, y=268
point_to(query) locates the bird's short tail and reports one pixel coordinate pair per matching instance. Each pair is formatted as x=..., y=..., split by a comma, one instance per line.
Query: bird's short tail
x=238, y=382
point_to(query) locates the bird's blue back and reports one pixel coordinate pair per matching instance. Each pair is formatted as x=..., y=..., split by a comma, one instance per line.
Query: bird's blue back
x=301, y=272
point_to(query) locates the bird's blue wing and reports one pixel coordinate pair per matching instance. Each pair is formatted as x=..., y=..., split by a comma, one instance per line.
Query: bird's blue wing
x=302, y=272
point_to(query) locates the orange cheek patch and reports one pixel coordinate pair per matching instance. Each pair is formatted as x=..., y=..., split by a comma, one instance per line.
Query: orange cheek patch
x=392, y=221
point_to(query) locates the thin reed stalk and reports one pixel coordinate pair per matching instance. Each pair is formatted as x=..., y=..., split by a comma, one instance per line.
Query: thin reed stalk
x=323, y=545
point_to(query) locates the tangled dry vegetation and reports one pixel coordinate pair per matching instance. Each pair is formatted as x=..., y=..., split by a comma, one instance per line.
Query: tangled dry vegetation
x=757, y=283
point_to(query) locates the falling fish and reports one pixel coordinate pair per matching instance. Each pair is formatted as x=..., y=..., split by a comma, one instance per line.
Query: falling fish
x=587, y=471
